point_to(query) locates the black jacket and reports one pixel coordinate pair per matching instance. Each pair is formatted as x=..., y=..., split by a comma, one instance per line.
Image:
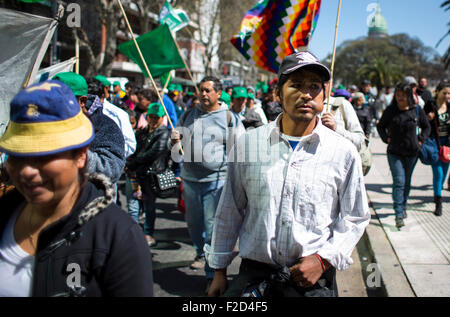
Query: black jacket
x=151, y=151
x=252, y=119
x=364, y=117
x=272, y=110
x=108, y=247
x=425, y=94
x=431, y=106
x=400, y=127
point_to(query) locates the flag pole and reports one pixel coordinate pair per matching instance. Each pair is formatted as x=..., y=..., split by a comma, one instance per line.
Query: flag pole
x=167, y=81
x=146, y=67
x=185, y=65
x=312, y=23
x=333, y=57
x=77, y=55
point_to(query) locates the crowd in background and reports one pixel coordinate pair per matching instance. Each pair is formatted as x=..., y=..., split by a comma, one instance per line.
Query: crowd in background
x=134, y=136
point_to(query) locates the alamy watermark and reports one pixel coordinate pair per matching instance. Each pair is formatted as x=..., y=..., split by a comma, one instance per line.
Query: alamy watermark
x=73, y=19
x=374, y=278
x=372, y=8
x=74, y=278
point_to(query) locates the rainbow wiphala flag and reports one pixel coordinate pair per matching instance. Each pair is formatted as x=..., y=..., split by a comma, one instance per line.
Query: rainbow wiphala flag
x=274, y=29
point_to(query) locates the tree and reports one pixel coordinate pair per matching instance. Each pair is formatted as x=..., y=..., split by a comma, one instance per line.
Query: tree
x=206, y=15
x=217, y=21
x=385, y=60
x=446, y=57
x=381, y=72
x=98, y=32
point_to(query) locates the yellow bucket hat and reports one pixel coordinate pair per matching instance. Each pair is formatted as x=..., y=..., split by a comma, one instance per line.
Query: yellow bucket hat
x=46, y=119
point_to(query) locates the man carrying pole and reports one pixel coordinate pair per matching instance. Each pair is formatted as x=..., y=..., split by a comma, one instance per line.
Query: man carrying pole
x=294, y=196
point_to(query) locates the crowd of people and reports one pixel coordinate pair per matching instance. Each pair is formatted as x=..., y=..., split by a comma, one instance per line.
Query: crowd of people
x=277, y=168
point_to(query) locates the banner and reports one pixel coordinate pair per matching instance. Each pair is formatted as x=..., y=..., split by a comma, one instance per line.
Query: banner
x=24, y=39
x=159, y=50
x=274, y=29
x=49, y=72
x=175, y=19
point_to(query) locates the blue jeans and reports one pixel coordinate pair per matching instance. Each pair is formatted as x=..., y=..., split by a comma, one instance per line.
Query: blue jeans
x=201, y=200
x=132, y=203
x=440, y=170
x=402, y=168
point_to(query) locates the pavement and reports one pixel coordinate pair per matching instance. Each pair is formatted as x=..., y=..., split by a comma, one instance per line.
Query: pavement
x=388, y=262
x=415, y=260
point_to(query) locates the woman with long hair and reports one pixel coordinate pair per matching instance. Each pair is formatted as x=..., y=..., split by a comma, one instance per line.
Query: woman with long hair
x=398, y=127
x=438, y=113
x=60, y=232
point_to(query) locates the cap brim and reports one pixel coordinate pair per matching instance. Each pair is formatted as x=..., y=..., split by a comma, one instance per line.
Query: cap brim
x=324, y=71
x=47, y=138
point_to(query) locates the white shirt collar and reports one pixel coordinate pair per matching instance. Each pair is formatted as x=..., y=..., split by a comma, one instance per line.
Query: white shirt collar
x=274, y=130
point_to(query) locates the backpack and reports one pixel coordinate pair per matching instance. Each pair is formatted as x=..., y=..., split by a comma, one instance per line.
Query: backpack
x=365, y=153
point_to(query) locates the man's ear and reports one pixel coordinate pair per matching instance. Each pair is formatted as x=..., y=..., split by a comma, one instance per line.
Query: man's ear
x=278, y=96
x=82, y=100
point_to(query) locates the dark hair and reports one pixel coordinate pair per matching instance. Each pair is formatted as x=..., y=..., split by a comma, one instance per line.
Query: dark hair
x=409, y=93
x=281, y=81
x=148, y=94
x=131, y=113
x=284, y=78
x=95, y=87
x=442, y=85
x=216, y=82
x=83, y=173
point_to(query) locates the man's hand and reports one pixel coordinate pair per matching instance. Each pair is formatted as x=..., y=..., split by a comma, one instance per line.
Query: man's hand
x=430, y=116
x=307, y=271
x=175, y=136
x=219, y=284
x=329, y=121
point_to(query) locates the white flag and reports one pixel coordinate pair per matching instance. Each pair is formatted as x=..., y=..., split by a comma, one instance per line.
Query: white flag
x=176, y=19
x=24, y=38
x=49, y=72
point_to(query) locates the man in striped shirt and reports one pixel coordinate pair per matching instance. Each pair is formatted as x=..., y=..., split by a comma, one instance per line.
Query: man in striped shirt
x=294, y=196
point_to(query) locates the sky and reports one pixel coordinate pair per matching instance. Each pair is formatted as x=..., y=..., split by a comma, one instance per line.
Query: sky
x=418, y=18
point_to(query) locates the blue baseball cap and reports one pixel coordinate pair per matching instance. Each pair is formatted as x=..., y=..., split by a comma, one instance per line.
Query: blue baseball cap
x=46, y=119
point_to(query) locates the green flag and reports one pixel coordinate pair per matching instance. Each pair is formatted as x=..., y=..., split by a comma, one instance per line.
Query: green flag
x=163, y=78
x=175, y=19
x=45, y=2
x=159, y=50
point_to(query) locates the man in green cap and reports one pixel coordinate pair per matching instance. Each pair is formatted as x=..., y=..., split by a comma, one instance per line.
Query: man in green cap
x=103, y=80
x=118, y=92
x=250, y=119
x=252, y=105
x=107, y=152
x=225, y=98
x=76, y=82
x=177, y=98
x=107, y=85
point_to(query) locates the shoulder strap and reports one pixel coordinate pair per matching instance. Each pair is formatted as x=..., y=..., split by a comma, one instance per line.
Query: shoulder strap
x=341, y=108
x=187, y=113
x=338, y=103
x=229, y=119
